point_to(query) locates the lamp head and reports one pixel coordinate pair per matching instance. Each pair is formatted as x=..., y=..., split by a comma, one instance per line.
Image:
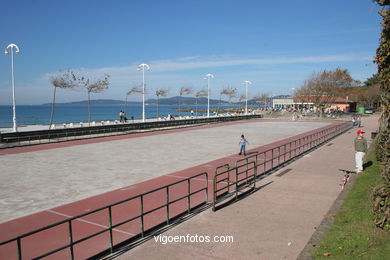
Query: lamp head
x=11, y=46
x=143, y=66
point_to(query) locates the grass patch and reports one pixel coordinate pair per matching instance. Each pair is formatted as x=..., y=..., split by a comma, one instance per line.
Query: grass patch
x=353, y=234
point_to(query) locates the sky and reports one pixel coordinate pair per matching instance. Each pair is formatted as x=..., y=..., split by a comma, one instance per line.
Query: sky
x=274, y=44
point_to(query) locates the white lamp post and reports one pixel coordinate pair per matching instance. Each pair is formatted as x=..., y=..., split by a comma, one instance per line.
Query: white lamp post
x=142, y=67
x=208, y=76
x=10, y=48
x=247, y=82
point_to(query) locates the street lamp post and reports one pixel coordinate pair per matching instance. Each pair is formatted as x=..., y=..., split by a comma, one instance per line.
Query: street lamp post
x=208, y=76
x=247, y=82
x=10, y=48
x=142, y=67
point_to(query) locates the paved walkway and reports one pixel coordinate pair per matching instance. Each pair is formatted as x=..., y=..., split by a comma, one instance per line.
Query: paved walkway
x=275, y=222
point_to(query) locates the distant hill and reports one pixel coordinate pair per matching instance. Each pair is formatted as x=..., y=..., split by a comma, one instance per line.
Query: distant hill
x=184, y=101
x=162, y=101
x=101, y=102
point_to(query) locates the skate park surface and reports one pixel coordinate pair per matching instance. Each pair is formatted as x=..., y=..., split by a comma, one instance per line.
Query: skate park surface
x=40, y=179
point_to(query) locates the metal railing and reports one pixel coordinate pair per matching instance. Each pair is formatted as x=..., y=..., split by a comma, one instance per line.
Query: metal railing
x=224, y=183
x=111, y=227
x=71, y=133
x=260, y=163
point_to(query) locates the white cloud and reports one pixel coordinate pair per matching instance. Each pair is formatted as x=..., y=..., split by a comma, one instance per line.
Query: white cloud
x=265, y=73
x=189, y=63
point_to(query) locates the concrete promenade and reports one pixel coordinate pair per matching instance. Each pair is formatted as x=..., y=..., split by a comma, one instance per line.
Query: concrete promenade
x=277, y=220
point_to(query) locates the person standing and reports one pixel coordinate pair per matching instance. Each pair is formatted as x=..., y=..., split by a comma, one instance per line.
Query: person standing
x=121, y=116
x=360, y=150
x=243, y=142
x=359, y=121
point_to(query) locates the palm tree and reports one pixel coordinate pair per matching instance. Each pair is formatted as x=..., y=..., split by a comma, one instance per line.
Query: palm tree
x=184, y=91
x=160, y=93
x=199, y=94
x=65, y=81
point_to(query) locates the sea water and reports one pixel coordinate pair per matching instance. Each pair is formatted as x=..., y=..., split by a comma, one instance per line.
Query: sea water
x=40, y=114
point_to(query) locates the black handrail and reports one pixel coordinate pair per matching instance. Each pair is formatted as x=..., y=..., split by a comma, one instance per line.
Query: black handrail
x=293, y=149
x=111, y=227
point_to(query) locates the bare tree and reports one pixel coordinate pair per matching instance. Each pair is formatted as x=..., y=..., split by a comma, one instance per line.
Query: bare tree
x=262, y=98
x=199, y=94
x=63, y=80
x=324, y=87
x=133, y=90
x=229, y=92
x=96, y=86
x=184, y=91
x=242, y=98
x=160, y=93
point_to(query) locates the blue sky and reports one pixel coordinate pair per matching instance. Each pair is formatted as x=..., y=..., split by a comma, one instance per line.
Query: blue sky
x=274, y=44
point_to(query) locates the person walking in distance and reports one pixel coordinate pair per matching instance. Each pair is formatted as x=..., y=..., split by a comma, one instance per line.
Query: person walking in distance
x=242, y=144
x=359, y=121
x=360, y=150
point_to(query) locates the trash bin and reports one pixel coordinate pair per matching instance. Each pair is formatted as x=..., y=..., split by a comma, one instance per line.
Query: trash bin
x=361, y=110
x=373, y=135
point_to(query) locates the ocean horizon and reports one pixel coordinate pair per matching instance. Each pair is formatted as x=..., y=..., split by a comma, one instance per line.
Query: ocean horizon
x=40, y=114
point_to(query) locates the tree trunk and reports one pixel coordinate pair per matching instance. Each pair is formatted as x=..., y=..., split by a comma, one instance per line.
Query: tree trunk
x=381, y=196
x=52, y=108
x=158, y=114
x=219, y=104
x=196, y=106
x=124, y=109
x=179, y=105
x=89, y=109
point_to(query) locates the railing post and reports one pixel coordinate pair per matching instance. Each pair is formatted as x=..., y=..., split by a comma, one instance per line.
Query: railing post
x=142, y=215
x=207, y=187
x=254, y=174
x=188, y=194
x=236, y=182
x=19, y=249
x=110, y=225
x=71, y=239
x=167, y=191
x=215, y=190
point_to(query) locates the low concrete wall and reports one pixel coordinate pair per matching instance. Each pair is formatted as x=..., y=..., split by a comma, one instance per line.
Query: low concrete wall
x=122, y=127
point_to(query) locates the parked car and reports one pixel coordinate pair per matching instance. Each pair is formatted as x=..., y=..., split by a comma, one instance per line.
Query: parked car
x=369, y=111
